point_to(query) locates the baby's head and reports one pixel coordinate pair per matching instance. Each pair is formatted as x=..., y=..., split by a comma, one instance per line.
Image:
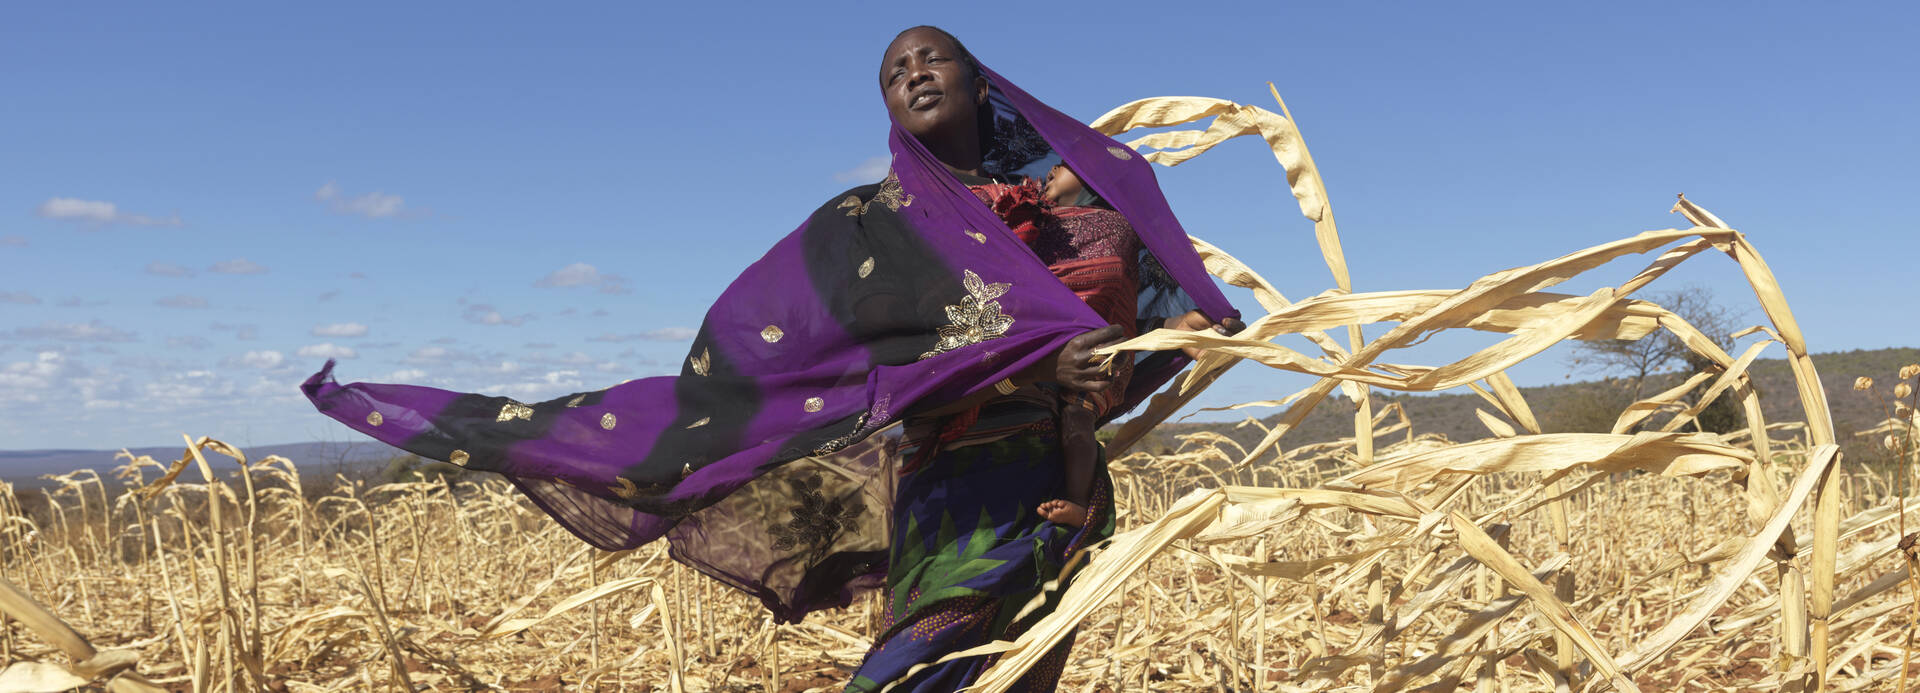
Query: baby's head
x=1062, y=186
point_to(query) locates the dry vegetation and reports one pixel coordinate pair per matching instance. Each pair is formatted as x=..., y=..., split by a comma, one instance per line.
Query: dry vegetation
x=1649, y=557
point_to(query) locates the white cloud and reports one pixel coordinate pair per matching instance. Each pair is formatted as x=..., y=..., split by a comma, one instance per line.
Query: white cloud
x=237, y=265
x=97, y=214
x=486, y=314
x=583, y=274
x=181, y=301
x=407, y=374
x=20, y=297
x=373, y=205
x=265, y=359
x=340, y=329
x=664, y=334
x=92, y=331
x=78, y=302
x=188, y=342
x=327, y=350
x=168, y=269
x=13, y=240
x=869, y=171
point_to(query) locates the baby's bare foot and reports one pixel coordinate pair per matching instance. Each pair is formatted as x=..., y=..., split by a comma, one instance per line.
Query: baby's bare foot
x=1063, y=512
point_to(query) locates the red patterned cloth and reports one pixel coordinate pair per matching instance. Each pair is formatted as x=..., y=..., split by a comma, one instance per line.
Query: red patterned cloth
x=1092, y=250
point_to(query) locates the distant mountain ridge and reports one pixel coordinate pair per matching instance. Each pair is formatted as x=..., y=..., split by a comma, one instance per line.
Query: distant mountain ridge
x=1580, y=406
x=1593, y=405
x=24, y=468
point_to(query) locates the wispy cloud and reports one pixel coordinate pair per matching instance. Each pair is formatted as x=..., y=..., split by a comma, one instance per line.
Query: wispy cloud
x=19, y=297
x=486, y=314
x=91, y=331
x=195, y=342
x=869, y=171
x=327, y=350
x=329, y=295
x=13, y=241
x=239, y=265
x=373, y=205
x=97, y=214
x=78, y=302
x=181, y=301
x=583, y=274
x=340, y=329
x=267, y=359
x=242, y=332
x=664, y=334
x=168, y=269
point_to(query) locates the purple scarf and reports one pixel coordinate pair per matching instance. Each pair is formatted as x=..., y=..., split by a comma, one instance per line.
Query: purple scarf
x=758, y=461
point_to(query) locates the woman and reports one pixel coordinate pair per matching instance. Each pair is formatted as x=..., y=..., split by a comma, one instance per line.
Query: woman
x=904, y=300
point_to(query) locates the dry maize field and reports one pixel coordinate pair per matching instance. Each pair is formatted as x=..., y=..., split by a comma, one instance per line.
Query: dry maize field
x=1651, y=556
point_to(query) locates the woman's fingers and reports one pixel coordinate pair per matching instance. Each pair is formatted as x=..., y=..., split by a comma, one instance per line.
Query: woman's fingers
x=1077, y=368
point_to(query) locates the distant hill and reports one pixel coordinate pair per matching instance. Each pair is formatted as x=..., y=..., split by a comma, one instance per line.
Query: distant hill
x=1581, y=406
x=1593, y=405
x=23, y=468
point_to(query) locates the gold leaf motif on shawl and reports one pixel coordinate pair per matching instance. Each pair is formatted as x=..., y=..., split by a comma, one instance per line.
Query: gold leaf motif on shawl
x=701, y=364
x=814, y=404
x=772, y=333
x=607, y=421
x=704, y=420
x=866, y=268
x=458, y=458
x=1120, y=153
x=976, y=318
x=890, y=194
x=374, y=418
x=625, y=489
x=577, y=399
x=976, y=235
x=514, y=410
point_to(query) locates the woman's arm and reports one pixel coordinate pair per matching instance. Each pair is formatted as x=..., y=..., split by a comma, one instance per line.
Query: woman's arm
x=1195, y=321
x=1073, y=366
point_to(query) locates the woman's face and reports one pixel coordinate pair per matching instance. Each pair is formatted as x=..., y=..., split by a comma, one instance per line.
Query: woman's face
x=930, y=90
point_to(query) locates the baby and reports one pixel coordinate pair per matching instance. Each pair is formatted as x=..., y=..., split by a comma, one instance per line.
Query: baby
x=1099, y=263
x=1093, y=251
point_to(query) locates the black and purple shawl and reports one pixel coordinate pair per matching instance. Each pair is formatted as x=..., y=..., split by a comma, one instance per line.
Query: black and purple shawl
x=759, y=461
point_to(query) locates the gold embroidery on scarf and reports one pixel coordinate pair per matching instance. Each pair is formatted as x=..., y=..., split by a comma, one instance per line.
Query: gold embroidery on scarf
x=866, y=268
x=607, y=421
x=702, y=422
x=890, y=195
x=814, y=404
x=1120, y=153
x=686, y=469
x=458, y=458
x=976, y=235
x=514, y=410
x=374, y=418
x=977, y=318
x=625, y=489
x=577, y=399
x=772, y=334
x=702, y=363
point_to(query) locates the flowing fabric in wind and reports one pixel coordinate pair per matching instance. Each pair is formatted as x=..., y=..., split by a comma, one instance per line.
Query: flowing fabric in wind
x=759, y=461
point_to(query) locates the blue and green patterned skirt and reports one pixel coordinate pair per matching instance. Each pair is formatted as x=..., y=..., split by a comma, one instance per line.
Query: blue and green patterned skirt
x=969, y=553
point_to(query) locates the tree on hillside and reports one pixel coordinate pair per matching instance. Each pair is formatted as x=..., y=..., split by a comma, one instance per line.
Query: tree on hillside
x=1662, y=352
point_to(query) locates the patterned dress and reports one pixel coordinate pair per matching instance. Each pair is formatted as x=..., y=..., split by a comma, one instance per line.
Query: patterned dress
x=970, y=561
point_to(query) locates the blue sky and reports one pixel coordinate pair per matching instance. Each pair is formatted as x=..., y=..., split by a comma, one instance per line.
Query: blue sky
x=199, y=204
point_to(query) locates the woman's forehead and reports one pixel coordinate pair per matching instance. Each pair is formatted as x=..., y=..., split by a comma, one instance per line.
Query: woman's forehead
x=919, y=39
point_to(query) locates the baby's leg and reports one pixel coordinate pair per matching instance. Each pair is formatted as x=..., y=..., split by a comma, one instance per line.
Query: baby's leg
x=1080, y=452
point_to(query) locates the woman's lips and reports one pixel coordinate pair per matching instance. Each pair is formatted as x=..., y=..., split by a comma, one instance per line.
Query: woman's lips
x=924, y=101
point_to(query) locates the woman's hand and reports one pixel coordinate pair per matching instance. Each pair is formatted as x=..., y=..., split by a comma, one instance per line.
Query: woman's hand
x=1195, y=321
x=1076, y=366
